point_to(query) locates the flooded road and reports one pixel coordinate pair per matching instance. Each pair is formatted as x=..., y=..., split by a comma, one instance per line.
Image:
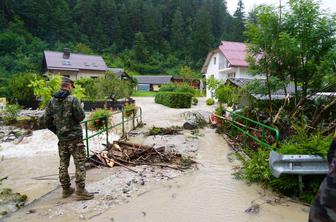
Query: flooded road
x=209, y=194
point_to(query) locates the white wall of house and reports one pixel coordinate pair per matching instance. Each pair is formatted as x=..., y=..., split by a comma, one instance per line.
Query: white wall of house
x=213, y=69
x=74, y=75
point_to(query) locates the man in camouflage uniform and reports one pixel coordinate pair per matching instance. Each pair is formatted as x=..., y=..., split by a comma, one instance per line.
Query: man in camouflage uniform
x=63, y=115
x=323, y=208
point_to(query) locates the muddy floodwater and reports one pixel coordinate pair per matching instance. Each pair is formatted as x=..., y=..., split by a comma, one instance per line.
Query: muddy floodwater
x=210, y=193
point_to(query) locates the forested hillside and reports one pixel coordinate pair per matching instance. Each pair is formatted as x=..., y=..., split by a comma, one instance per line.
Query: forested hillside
x=143, y=36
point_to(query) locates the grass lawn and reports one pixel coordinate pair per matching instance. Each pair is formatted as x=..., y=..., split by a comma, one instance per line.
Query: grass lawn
x=144, y=94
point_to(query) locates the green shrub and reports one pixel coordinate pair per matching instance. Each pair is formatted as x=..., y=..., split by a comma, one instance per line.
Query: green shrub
x=10, y=113
x=178, y=87
x=304, y=144
x=169, y=87
x=198, y=93
x=174, y=99
x=186, y=88
x=256, y=170
x=90, y=87
x=227, y=94
x=194, y=101
x=98, y=115
x=17, y=88
x=210, y=101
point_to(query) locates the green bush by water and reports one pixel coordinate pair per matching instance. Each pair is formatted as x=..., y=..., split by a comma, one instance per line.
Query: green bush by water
x=256, y=170
x=174, y=99
x=304, y=144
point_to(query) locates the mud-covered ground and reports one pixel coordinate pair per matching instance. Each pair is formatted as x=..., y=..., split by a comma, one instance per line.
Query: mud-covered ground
x=153, y=193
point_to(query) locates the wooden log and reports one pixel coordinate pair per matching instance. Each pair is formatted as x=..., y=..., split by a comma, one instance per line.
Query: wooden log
x=133, y=145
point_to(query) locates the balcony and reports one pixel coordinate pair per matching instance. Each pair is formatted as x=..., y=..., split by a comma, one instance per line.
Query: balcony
x=225, y=69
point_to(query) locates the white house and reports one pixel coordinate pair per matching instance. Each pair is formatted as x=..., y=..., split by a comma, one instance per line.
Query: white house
x=227, y=62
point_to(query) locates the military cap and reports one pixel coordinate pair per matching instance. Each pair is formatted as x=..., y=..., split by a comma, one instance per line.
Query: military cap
x=66, y=80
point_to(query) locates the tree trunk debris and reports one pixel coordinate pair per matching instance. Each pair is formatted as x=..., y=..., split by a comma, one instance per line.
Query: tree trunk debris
x=126, y=154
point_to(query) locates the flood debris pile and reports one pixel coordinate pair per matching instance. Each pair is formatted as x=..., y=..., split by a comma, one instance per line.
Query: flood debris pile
x=174, y=130
x=126, y=154
x=25, y=119
x=194, y=120
x=10, y=202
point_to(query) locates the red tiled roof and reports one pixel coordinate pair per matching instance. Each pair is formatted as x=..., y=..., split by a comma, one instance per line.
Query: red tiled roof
x=234, y=52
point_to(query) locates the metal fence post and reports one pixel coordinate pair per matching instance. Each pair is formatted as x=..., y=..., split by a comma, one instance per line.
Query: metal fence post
x=123, y=122
x=106, y=127
x=263, y=135
x=133, y=119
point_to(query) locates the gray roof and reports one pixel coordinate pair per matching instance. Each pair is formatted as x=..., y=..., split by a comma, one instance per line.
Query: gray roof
x=117, y=71
x=278, y=94
x=144, y=79
x=76, y=61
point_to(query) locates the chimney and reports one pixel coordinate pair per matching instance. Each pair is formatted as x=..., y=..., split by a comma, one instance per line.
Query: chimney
x=66, y=53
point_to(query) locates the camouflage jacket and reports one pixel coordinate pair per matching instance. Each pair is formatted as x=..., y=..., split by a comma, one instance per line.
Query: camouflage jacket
x=63, y=115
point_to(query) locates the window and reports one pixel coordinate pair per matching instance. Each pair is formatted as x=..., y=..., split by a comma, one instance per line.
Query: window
x=67, y=63
x=232, y=75
x=94, y=77
x=68, y=76
x=215, y=60
x=143, y=87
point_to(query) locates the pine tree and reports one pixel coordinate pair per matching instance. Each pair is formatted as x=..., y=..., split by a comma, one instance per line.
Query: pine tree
x=177, y=32
x=239, y=21
x=218, y=16
x=140, y=48
x=152, y=22
x=202, y=40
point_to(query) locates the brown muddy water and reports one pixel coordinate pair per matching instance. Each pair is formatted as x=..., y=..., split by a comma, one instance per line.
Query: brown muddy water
x=209, y=194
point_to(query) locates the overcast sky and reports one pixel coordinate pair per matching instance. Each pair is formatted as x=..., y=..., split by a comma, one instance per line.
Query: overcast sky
x=232, y=4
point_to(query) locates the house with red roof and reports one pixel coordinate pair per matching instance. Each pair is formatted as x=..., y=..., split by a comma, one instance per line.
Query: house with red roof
x=227, y=62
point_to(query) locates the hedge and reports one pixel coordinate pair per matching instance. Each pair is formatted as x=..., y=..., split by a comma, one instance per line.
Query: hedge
x=174, y=99
x=178, y=87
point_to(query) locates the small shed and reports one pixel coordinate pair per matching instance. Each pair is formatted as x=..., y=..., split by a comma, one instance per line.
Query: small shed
x=121, y=74
x=195, y=83
x=152, y=83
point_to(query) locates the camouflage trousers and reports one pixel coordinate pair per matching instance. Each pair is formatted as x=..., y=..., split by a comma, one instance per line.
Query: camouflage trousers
x=323, y=208
x=76, y=149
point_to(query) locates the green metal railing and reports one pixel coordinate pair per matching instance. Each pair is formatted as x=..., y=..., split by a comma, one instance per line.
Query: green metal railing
x=105, y=125
x=244, y=128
